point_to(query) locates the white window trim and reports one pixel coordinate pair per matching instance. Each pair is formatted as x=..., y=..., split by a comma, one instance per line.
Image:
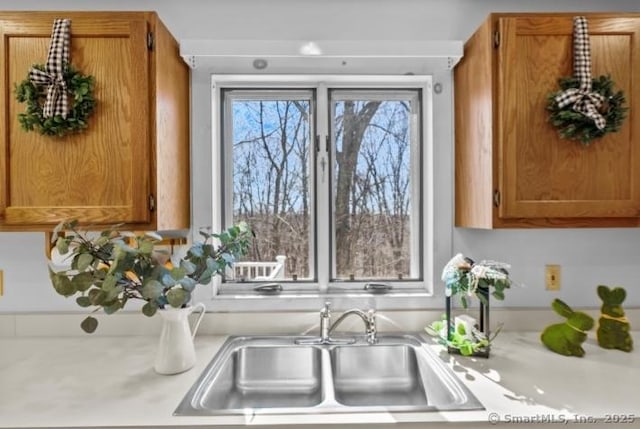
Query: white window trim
x=402, y=299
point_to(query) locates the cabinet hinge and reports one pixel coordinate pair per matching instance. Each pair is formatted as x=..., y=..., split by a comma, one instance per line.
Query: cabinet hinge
x=150, y=40
x=152, y=203
x=496, y=198
x=496, y=39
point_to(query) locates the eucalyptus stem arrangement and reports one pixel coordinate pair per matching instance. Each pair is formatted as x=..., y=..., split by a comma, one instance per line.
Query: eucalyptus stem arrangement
x=112, y=267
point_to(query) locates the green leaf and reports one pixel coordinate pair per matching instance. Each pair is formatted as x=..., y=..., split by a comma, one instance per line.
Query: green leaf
x=62, y=284
x=149, y=309
x=498, y=294
x=62, y=245
x=114, y=293
x=82, y=281
x=188, y=266
x=205, y=277
x=188, y=283
x=177, y=297
x=146, y=247
x=83, y=301
x=89, y=324
x=168, y=280
x=152, y=290
x=113, y=307
x=197, y=250
x=84, y=260
x=178, y=273
x=109, y=282
x=97, y=296
x=461, y=330
x=466, y=349
x=208, y=249
x=483, y=298
x=228, y=258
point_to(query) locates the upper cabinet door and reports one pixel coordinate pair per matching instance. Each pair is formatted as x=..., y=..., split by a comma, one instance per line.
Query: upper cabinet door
x=103, y=174
x=539, y=174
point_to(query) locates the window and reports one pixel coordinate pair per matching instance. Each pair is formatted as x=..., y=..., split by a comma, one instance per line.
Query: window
x=269, y=181
x=375, y=200
x=330, y=176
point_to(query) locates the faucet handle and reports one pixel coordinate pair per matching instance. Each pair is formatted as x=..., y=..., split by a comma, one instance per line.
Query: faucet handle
x=326, y=311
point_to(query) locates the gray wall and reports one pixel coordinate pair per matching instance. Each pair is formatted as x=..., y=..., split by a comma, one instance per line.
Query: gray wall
x=588, y=257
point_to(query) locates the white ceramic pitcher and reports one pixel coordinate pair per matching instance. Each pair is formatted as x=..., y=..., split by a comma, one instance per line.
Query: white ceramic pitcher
x=176, y=352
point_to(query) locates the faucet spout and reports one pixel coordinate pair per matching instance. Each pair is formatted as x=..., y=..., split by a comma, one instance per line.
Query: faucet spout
x=369, y=319
x=326, y=327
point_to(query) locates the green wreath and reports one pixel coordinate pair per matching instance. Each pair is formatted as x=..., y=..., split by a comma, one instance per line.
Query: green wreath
x=81, y=89
x=574, y=125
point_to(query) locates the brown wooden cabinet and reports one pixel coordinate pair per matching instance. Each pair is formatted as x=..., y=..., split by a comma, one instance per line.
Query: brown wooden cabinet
x=511, y=167
x=132, y=164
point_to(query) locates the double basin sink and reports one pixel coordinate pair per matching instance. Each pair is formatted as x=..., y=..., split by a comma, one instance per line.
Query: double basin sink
x=279, y=375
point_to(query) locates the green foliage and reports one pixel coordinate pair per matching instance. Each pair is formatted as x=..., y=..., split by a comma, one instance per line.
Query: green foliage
x=574, y=125
x=82, y=101
x=466, y=278
x=458, y=338
x=109, y=268
x=89, y=324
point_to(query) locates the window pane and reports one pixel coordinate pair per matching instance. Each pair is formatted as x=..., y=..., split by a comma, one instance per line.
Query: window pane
x=271, y=183
x=375, y=220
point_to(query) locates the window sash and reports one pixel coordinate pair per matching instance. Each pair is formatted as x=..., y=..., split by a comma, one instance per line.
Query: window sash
x=270, y=94
x=416, y=230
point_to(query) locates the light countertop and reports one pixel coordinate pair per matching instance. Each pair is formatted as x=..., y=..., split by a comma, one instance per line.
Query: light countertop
x=109, y=382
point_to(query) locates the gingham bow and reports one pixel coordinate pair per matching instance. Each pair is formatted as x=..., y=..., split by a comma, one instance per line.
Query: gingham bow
x=52, y=77
x=583, y=100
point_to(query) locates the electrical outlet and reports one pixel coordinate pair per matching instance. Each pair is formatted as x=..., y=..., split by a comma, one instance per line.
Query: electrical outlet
x=552, y=277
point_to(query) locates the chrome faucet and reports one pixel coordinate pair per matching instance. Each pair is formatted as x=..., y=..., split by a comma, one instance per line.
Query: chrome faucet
x=369, y=319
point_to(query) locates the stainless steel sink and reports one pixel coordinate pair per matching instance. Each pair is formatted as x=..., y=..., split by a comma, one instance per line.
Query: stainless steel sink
x=264, y=377
x=277, y=375
x=378, y=375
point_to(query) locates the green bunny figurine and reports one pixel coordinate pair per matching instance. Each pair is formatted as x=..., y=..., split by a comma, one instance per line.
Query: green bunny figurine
x=613, y=326
x=566, y=338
